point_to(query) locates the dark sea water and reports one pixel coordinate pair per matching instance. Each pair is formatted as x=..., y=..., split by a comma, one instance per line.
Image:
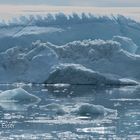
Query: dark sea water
x=53, y=118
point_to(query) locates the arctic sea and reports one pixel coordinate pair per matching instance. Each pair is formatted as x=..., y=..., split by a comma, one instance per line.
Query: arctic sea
x=53, y=118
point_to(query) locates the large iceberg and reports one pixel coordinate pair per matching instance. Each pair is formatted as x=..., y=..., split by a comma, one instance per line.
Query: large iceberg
x=62, y=28
x=107, y=45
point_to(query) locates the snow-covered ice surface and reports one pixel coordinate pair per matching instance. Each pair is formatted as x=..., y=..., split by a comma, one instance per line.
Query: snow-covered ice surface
x=69, y=76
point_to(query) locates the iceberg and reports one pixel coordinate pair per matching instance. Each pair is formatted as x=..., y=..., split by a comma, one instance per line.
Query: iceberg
x=100, y=55
x=17, y=95
x=17, y=99
x=108, y=46
x=75, y=74
x=61, y=28
x=36, y=63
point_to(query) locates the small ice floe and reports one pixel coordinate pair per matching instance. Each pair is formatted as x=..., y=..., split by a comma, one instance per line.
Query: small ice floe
x=17, y=99
x=58, y=109
x=94, y=111
x=82, y=111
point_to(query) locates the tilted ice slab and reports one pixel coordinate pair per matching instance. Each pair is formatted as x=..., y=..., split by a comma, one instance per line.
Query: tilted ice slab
x=77, y=74
x=17, y=99
x=17, y=95
x=42, y=59
x=27, y=65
